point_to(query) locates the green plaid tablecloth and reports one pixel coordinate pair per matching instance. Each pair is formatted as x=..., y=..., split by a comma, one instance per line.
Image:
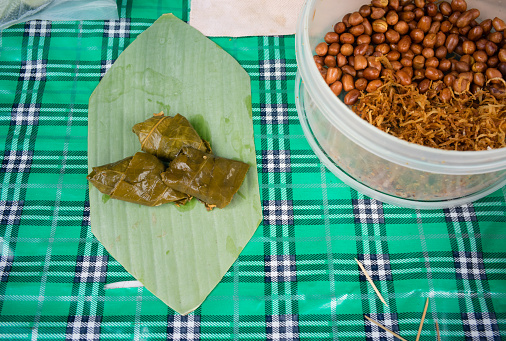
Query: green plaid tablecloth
x=297, y=278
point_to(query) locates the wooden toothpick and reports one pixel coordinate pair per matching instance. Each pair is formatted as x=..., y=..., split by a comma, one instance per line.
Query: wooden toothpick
x=423, y=319
x=385, y=328
x=371, y=282
x=437, y=331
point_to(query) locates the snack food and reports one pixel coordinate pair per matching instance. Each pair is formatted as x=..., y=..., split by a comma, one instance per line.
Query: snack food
x=423, y=46
x=214, y=180
x=136, y=179
x=164, y=136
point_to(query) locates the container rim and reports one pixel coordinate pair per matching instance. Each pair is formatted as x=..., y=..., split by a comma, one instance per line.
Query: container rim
x=373, y=139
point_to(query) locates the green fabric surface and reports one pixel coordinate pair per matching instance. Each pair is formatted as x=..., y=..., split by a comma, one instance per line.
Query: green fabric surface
x=295, y=280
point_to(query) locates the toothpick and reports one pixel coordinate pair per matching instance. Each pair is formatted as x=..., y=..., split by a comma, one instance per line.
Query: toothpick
x=371, y=282
x=437, y=331
x=423, y=319
x=385, y=328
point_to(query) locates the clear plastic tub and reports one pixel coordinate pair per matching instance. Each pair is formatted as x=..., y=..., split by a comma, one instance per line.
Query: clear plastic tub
x=371, y=161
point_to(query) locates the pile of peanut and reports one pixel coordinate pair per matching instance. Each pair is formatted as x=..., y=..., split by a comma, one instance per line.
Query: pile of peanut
x=414, y=42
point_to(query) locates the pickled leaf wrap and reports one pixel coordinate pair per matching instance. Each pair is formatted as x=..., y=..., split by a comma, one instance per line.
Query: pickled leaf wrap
x=164, y=136
x=214, y=180
x=136, y=179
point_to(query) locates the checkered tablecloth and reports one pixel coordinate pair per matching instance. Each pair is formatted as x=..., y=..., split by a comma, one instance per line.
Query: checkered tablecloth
x=297, y=278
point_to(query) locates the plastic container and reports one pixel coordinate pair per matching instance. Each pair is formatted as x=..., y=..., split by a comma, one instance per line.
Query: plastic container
x=369, y=160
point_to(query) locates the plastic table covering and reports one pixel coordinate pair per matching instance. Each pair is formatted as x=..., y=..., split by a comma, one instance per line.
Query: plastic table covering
x=296, y=279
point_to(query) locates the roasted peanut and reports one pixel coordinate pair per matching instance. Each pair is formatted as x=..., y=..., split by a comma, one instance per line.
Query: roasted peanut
x=383, y=48
x=498, y=24
x=334, y=49
x=451, y=42
x=336, y=87
x=393, y=55
x=431, y=9
x=460, y=66
x=429, y=40
x=403, y=77
x=423, y=86
x=424, y=23
x=446, y=26
x=495, y=37
x=351, y=97
x=479, y=79
x=331, y=37
x=459, y=5
x=467, y=59
x=401, y=27
x=453, y=18
x=406, y=62
x=486, y=25
x=378, y=38
x=346, y=19
x=341, y=60
x=502, y=55
x=432, y=62
x=441, y=52
x=490, y=48
x=357, y=30
x=445, y=65
x=416, y=48
x=360, y=62
x=367, y=27
x=493, y=73
x=431, y=73
x=396, y=65
x=493, y=61
x=373, y=85
x=333, y=74
x=363, y=39
x=377, y=13
x=355, y=19
x=445, y=95
x=418, y=62
x=365, y=11
x=319, y=59
x=379, y=26
x=464, y=19
x=445, y=8
x=480, y=56
x=321, y=49
x=392, y=18
x=349, y=70
x=407, y=16
x=392, y=36
x=440, y=39
x=479, y=67
x=417, y=35
x=339, y=28
x=449, y=79
x=348, y=83
x=372, y=62
x=379, y=3
x=330, y=61
x=435, y=27
x=361, y=49
x=361, y=84
x=468, y=47
x=371, y=73
x=347, y=49
x=428, y=52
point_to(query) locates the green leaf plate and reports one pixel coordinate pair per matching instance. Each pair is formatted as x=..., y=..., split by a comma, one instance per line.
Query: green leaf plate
x=179, y=254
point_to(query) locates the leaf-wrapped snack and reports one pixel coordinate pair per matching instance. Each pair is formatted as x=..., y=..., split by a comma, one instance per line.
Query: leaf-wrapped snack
x=164, y=136
x=136, y=179
x=214, y=180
